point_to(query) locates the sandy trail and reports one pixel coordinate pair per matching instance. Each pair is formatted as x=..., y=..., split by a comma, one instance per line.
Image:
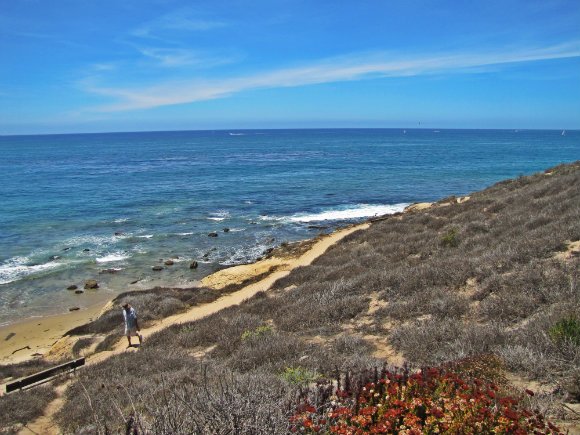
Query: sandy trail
x=45, y=425
x=237, y=297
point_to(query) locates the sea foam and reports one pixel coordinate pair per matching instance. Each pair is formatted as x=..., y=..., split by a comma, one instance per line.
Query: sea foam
x=359, y=211
x=219, y=216
x=17, y=268
x=109, y=258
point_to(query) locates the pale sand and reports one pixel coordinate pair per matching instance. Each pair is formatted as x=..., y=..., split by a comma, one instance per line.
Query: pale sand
x=25, y=340
x=239, y=274
x=572, y=250
x=418, y=206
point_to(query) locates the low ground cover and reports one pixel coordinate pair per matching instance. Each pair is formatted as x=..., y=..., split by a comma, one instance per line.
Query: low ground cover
x=446, y=399
x=481, y=277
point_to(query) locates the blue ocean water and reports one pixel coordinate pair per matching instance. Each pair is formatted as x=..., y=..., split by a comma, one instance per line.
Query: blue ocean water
x=75, y=207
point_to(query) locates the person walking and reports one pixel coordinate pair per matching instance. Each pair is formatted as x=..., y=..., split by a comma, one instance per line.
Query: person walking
x=131, y=325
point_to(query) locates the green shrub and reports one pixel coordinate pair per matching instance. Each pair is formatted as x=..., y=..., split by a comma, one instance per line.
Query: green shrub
x=259, y=331
x=450, y=239
x=567, y=329
x=299, y=376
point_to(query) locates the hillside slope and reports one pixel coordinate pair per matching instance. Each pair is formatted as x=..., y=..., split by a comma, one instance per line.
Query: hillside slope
x=495, y=274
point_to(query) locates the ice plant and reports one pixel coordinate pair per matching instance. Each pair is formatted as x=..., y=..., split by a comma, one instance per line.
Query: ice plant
x=434, y=400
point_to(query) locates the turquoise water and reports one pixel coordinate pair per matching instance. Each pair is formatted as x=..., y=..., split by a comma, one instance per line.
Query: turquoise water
x=83, y=206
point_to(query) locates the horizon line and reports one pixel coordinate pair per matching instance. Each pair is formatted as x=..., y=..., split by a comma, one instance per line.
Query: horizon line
x=433, y=129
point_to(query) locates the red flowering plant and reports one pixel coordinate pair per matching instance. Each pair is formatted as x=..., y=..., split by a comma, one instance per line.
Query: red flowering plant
x=432, y=400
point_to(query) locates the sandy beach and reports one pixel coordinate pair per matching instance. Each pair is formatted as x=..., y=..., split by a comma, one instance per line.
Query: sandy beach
x=43, y=336
x=34, y=337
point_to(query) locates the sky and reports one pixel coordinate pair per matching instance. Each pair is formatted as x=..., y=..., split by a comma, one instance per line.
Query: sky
x=73, y=66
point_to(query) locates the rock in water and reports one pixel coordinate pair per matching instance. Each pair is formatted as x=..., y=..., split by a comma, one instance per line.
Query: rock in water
x=212, y=234
x=157, y=268
x=91, y=284
x=193, y=265
x=226, y=230
x=169, y=262
x=72, y=287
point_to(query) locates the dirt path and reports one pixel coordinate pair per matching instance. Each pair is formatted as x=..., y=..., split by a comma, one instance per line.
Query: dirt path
x=45, y=425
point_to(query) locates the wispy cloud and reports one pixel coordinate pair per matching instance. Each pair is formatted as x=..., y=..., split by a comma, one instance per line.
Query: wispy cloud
x=346, y=68
x=178, y=57
x=99, y=67
x=181, y=20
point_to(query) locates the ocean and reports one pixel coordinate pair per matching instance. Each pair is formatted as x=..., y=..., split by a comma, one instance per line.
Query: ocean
x=111, y=206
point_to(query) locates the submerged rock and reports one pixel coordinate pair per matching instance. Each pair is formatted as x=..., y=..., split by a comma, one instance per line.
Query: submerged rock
x=157, y=268
x=317, y=227
x=193, y=265
x=169, y=262
x=72, y=287
x=226, y=230
x=91, y=284
x=74, y=309
x=212, y=234
x=79, y=292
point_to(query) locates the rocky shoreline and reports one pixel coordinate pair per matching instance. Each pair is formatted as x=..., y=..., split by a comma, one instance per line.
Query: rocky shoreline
x=34, y=337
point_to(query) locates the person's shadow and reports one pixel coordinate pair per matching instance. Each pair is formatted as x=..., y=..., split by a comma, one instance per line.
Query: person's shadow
x=134, y=345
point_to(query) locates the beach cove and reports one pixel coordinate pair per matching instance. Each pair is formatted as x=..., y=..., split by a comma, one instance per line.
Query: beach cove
x=42, y=337
x=110, y=207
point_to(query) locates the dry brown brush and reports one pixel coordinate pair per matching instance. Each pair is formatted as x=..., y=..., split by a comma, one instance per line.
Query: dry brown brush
x=453, y=281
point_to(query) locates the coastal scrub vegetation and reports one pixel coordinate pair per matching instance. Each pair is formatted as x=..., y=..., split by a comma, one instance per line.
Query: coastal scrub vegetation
x=487, y=276
x=491, y=276
x=21, y=407
x=153, y=304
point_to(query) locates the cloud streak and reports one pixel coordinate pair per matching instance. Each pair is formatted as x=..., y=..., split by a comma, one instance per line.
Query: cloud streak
x=181, y=21
x=341, y=69
x=181, y=57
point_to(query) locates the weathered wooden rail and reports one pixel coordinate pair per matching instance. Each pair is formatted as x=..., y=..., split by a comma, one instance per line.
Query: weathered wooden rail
x=44, y=375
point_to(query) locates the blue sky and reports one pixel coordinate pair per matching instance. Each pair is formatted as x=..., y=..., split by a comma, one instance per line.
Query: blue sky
x=132, y=65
